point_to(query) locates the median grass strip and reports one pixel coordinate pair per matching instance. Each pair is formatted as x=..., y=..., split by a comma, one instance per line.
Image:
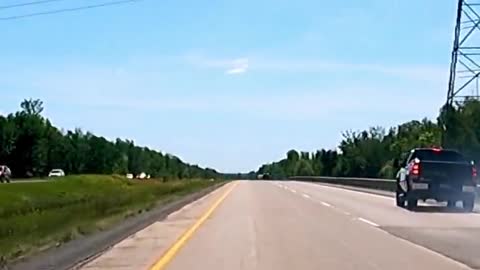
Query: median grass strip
x=35, y=216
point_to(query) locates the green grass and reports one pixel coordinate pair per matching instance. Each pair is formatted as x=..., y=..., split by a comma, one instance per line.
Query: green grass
x=34, y=216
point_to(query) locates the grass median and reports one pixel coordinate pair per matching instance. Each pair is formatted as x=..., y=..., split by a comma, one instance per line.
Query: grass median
x=36, y=216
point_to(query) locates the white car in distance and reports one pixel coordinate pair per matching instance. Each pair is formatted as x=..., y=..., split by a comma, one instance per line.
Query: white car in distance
x=56, y=173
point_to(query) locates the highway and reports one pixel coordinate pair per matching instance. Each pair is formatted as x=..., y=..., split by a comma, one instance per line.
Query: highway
x=297, y=225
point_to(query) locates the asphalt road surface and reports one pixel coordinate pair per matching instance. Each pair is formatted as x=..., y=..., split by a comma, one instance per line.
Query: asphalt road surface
x=294, y=225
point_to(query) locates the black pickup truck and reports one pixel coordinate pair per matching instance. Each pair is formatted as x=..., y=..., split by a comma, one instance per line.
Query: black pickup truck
x=433, y=173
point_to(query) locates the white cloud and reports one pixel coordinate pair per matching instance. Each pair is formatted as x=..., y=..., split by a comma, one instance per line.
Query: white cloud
x=231, y=66
x=426, y=73
x=238, y=66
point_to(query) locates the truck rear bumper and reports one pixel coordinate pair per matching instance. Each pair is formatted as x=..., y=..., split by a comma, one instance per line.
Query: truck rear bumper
x=442, y=194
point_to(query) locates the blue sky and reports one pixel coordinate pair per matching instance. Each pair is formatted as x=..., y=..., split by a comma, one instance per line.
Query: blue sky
x=230, y=84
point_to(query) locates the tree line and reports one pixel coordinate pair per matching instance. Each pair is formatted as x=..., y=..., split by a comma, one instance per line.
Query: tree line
x=370, y=153
x=31, y=146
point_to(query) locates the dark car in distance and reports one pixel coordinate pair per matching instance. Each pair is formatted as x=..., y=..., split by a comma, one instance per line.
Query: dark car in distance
x=435, y=173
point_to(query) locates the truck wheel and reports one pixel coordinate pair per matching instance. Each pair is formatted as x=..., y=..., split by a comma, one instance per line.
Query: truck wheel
x=468, y=204
x=451, y=204
x=412, y=204
x=400, y=198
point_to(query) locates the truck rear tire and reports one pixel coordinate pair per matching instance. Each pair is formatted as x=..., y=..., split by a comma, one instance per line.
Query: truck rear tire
x=451, y=204
x=468, y=204
x=400, y=198
x=412, y=203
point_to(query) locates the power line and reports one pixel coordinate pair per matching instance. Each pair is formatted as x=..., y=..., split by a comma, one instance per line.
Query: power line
x=112, y=3
x=28, y=4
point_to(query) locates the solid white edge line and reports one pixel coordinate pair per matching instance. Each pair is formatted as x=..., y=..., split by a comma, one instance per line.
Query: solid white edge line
x=368, y=222
x=306, y=196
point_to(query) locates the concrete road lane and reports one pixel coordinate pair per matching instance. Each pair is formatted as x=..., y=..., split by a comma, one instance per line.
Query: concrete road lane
x=382, y=209
x=288, y=225
x=266, y=225
x=452, y=233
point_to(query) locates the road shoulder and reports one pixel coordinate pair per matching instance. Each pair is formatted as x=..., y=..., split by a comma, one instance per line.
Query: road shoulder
x=143, y=248
x=75, y=252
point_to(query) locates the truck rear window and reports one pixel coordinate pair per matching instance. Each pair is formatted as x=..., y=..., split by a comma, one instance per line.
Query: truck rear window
x=441, y=155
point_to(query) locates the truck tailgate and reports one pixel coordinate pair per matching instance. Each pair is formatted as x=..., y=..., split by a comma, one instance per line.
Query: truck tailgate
x=451, y=173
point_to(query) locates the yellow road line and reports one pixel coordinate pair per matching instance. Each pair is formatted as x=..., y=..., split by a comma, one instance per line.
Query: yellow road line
x=175, y=248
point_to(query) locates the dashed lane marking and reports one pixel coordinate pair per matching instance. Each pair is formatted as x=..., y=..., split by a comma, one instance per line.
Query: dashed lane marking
x=368, y=221
x=326, y=204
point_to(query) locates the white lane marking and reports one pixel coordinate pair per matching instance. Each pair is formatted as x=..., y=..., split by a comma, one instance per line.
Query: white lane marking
x=368, y=222
x=293, y=190
x=306, y=196
x=326, y=204
x=346, y=213
x=351, y=191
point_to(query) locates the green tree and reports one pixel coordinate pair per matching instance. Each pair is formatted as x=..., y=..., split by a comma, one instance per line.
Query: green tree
x=370, y=153
x=304, y=168
x=31, y=146
x=32, y=107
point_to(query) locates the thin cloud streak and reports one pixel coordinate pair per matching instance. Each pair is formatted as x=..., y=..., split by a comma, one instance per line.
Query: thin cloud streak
x=239, y=66
x=428, y=73
x=236, y=71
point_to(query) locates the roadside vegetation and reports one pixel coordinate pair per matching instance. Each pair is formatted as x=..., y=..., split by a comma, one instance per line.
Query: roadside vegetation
x=35, y=216
x=31, y=146
x=370, y=153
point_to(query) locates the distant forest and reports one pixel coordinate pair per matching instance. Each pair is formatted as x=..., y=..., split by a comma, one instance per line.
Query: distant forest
x=31, y=146
x=370, y=153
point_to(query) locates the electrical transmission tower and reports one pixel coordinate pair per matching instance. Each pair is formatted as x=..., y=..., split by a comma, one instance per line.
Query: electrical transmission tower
x=463, y=84
x=465, y=65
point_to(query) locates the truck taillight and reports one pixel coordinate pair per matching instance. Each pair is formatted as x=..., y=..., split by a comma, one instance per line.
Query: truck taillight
x=415, y=169
x=474, y=172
